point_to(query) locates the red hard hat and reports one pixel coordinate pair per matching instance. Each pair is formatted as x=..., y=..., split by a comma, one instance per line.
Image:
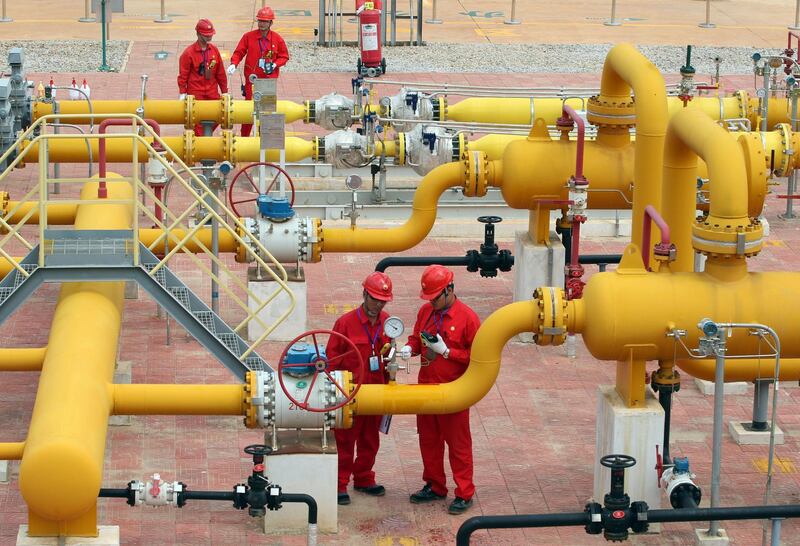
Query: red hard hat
x=205, y=28
x=435, y=278
x=379, y=286
x=265, y=14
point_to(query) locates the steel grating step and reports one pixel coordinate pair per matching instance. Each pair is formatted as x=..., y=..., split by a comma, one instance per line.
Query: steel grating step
x=19, y=278
x=206, y=318
x=255, y=363
x=231, y=341
x=105, y=246
x=5, y=292
x=160, y=275
x=181, y=294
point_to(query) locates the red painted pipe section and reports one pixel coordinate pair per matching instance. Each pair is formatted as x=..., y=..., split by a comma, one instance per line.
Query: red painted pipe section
x=102, y=191
x=651, y=214
x=567, y=112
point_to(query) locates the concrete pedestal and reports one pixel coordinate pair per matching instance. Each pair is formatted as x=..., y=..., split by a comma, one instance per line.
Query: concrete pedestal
x=296, y=323
x=629, y=431
x=535, y=266
x=108, y=535
x=743, y=436
x=301, y=467
x=704, y=539
x=707, y=387
x=5, y=471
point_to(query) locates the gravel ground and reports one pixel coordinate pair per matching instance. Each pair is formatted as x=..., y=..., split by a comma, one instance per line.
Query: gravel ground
x=84, y=56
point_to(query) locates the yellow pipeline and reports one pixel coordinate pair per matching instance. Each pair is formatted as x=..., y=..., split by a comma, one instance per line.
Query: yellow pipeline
x=64, y=450
x=177, y=399
x=11, y=451
x=626, y=70
x=188, y=147
x=484, y=365
x=170, y=112
x=414, y=230
x=6, y=267
x=523, y=111
x=58, y=214
x=745, y=369
x=227, y=243
x=24, y=359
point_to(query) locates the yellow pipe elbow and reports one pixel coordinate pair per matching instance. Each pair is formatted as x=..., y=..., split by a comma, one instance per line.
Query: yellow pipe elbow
x=11, y=451
x=22, y=359
x=414, y=230
x=745, y=369
x=467, y=390
x=148, y=236
x=177, y=399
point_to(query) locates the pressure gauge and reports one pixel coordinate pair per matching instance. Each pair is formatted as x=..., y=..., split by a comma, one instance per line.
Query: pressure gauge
x=761, y=93
x=393, y=327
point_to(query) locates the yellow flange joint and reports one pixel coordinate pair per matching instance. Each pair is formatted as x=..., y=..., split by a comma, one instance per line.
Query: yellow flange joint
x=226, y=104
x=552, y=329
x=400, y=148
x=712, y=237
x=251, y=413
x=188, y=112
x=604, y=112
x=316, y=245
x=785, y=132
x=476, y=174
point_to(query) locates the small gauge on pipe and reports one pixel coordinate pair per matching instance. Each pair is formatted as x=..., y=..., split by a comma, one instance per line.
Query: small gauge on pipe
x=393, y=327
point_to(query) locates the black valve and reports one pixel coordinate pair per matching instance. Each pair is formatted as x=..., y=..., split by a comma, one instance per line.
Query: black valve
x=618, y=515
x=257, y=483
x=489, y=259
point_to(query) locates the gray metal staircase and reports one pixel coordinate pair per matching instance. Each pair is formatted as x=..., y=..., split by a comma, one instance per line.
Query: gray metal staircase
x=107, y=255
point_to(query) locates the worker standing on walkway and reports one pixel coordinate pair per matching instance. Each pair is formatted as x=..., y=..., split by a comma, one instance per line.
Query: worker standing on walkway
x=443, y=335
x=264, y=53
x=364, y=327
x=201, y=72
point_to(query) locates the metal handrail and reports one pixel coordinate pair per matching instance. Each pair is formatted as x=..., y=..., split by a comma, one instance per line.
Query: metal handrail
x=200, y=196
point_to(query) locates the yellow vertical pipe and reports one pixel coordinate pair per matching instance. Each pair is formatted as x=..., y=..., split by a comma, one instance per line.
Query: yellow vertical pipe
x=484, y=365
x=22, y=359
x=61, y=470
x=626, y=70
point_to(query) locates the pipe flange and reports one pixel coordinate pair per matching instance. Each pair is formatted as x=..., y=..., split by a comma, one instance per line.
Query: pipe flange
x=756, y=167
x=188, y=147
x=248, y=233
x=711, y=237
x=553, y=316
x=261, y=400
x=460, y=146
x=315, y=227
x=188, y=112
x=476, y=174
x=744, y=104
x=440, y=109
x=610, y=113
x=400, y=148
x=227, y=145
x=785, y=132
x=226, y=105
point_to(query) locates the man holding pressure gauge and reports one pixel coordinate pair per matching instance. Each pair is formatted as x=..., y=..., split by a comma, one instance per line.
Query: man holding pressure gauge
x=443, y=335
x=364, y=326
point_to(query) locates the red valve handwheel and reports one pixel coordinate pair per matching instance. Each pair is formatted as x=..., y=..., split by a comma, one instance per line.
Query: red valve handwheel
x=251, y=193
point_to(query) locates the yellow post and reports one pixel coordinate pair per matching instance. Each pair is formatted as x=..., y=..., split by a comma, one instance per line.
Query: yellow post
x=631, y=374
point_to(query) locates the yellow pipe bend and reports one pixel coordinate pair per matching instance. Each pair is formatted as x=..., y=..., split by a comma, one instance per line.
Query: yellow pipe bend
x=467, y=390
x=414, y=230
x=177, y=399
x=625, y=70
x=11, y=451
x=745, y=369
x=23, y=359
x=65, y=446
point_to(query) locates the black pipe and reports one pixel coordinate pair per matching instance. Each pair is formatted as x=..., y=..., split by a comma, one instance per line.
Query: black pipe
x=686, y=498
x=209, y=495
x=653, y=516
x=597, y=259
x=307, y=499
x=665, y=398
x=113, y=493
x=412, y=261
x=515, y=522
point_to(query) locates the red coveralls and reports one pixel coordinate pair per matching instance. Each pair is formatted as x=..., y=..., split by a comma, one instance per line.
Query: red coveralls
x=205, y=85
x=252, y=47
x=457, y=325
x=369, y=340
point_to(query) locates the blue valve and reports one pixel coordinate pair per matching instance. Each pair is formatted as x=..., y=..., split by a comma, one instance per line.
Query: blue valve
x=429, y=139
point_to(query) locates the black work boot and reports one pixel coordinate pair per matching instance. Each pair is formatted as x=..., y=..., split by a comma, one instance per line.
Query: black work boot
x=425, y=494
x=372, y=490
x=459, y=506
x=342, y=499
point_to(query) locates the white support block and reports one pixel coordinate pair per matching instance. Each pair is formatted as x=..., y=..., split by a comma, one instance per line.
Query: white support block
x=5, y=471
x=703, y=539
x=629, y=431
x=297, y=321
x=314, y=474
x=707, y=387
x=536, y=266
x=122, y=376
x=744, y=437
x=107, y=535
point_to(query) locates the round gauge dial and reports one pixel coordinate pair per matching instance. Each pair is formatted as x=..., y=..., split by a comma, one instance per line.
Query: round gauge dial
x=393, y=327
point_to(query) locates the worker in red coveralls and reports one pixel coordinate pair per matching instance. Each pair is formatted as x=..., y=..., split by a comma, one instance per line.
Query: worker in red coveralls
x=443, y=335
x=364, y=327
x=201, y=71
x=264, y=53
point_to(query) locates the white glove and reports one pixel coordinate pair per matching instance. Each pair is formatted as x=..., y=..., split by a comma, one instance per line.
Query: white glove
x=231, y=69
x=182, y=97
x=438, y=346
x=405, y=352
